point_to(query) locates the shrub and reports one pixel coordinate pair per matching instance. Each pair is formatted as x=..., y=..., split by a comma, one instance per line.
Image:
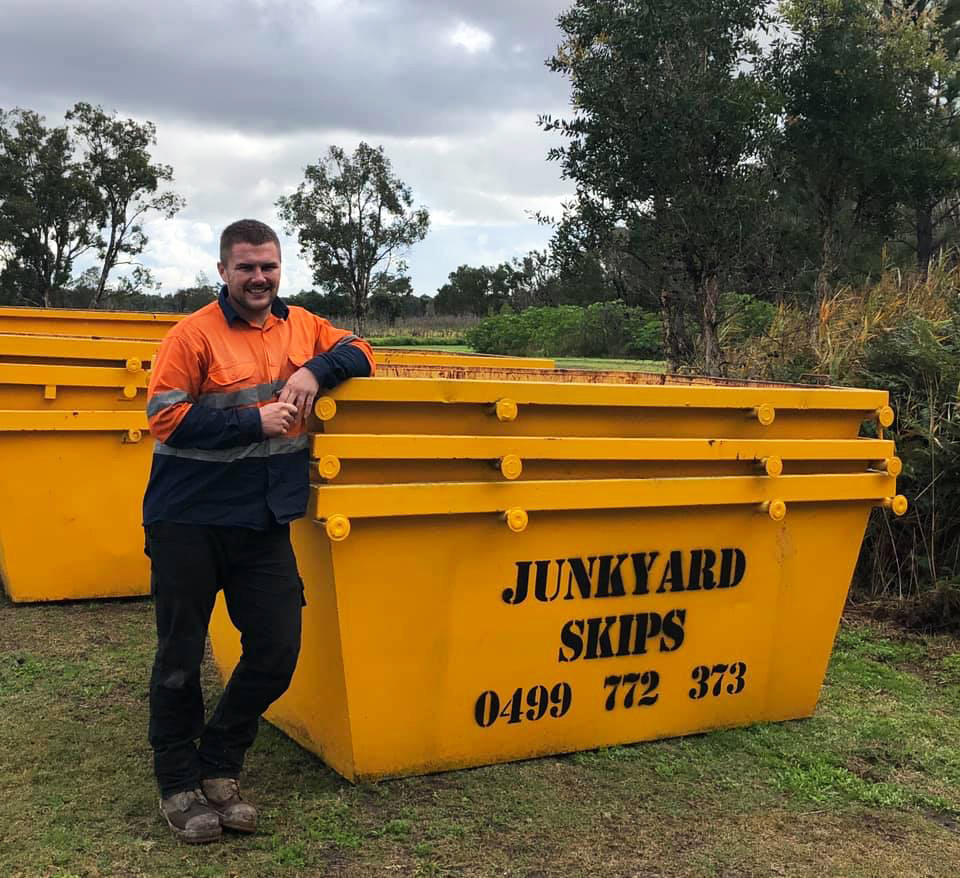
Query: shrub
x=603, y=329
x=901, y=334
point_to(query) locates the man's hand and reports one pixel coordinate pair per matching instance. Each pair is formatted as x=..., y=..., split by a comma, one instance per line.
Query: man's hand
x=276, y=418
x=300, y=391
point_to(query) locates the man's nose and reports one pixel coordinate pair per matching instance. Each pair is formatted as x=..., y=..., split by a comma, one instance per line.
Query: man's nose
x=258, y=274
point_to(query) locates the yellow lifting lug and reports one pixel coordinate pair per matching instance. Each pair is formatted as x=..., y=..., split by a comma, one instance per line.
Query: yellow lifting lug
x=50, y=391
x=329, y=467
x=516, y=519
x=898, y=505
x=325, y=408
x=338, y=528
x=776, y=509
x=132, y=436
x=505, y=410
x=129, y=392
x=892, y=466
x=765, y=414
x=510, y=466
x=773, y=466
x=134, y=364
x=885, y=416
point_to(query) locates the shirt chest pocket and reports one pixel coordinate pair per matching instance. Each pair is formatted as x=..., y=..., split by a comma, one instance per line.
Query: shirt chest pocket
x=297, y=355
x=230, y=384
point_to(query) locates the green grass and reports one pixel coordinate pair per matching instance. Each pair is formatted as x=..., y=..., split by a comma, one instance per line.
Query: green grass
x=611, y=365
x=870, y=786
x=596, y=363
x=441, y=342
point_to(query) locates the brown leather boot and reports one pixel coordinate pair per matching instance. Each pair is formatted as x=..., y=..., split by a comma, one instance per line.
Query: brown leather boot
x=190, y=817
x=223, y=794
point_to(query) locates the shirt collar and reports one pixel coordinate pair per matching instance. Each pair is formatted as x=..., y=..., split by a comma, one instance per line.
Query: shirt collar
x=279, y=308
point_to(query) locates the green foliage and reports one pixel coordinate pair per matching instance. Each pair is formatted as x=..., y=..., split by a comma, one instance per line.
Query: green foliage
x=900, y=333
x=354, y=219
x=744, y=317
x=603, y=329
x=117, y=159
x=919, y=362
x=670, y=123
x=69, y=190
x=50, y=209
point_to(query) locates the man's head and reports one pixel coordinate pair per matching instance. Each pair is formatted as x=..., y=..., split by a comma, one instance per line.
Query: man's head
x=250, y=267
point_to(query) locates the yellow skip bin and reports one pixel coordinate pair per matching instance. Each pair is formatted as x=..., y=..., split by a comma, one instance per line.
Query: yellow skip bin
x=501, y=568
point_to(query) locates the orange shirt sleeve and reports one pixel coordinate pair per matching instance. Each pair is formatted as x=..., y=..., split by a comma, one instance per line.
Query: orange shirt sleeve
x=174, y=385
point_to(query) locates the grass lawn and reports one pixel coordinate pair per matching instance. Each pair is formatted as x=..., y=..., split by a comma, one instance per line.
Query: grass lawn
x=562, y=362
x=868, y=787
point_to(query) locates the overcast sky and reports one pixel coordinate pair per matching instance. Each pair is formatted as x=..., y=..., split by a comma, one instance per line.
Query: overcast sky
x=245, y=94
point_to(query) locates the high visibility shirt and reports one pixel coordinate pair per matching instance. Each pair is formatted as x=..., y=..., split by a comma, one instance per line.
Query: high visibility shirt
x=211, y=462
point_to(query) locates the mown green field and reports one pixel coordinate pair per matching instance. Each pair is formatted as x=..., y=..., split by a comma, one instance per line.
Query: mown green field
x=562, y=362
x=870, y=786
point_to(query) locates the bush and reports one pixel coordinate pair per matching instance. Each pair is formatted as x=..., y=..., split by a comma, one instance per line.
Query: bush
x=901, y=334
x=603, y=329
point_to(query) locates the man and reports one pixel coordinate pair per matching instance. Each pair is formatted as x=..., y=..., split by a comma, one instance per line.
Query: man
x=230, y=391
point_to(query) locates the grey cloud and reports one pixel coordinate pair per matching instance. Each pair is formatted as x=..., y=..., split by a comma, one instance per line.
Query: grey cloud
x=284, y=66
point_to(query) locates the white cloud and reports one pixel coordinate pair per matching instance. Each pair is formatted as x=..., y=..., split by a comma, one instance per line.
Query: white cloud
x=471, y=38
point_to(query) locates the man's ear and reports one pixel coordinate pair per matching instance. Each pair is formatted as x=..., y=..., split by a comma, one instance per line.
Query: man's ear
x=223, y=271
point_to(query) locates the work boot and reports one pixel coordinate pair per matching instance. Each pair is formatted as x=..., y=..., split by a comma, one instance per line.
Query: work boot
x=190, y=817
x=223, y=794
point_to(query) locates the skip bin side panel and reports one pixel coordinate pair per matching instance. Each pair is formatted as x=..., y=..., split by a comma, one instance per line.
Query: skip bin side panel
x=811, y=598
x=70, y=520
x=466, y=644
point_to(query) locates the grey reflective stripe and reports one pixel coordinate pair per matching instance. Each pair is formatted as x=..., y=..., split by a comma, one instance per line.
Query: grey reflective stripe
x=160, y=401
x=267, y=448
x=247, y=396
x=345, y=340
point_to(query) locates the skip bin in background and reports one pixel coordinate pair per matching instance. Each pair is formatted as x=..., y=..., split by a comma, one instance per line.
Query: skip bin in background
x=75, y=456
x=78, y=322
x=454, y=619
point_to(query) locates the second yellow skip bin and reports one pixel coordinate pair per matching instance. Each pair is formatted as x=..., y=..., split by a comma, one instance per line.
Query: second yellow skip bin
x=70, y=509
x=501, y=569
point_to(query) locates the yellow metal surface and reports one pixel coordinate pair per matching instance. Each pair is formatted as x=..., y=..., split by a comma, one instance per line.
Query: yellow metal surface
x=412, y=447
x=101, y=324
x=84, y=350
x=54, y=421
x=531, y=392
x=668, y=559
x=452, y=498
x=70, y=506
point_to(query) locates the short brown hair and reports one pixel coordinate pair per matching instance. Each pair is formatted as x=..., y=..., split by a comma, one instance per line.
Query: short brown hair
x=245, y=231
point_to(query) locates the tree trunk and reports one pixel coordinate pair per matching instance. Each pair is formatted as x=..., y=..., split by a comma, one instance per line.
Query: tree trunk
x=924, y=237
x=710, y=292
x=108, y=259
x=672, y=341
x=359, y=315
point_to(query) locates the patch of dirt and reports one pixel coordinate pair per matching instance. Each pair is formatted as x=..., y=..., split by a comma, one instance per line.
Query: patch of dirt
x=70, y=629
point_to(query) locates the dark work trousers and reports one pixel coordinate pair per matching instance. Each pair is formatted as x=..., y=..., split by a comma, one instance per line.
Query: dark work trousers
x=264, y=595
